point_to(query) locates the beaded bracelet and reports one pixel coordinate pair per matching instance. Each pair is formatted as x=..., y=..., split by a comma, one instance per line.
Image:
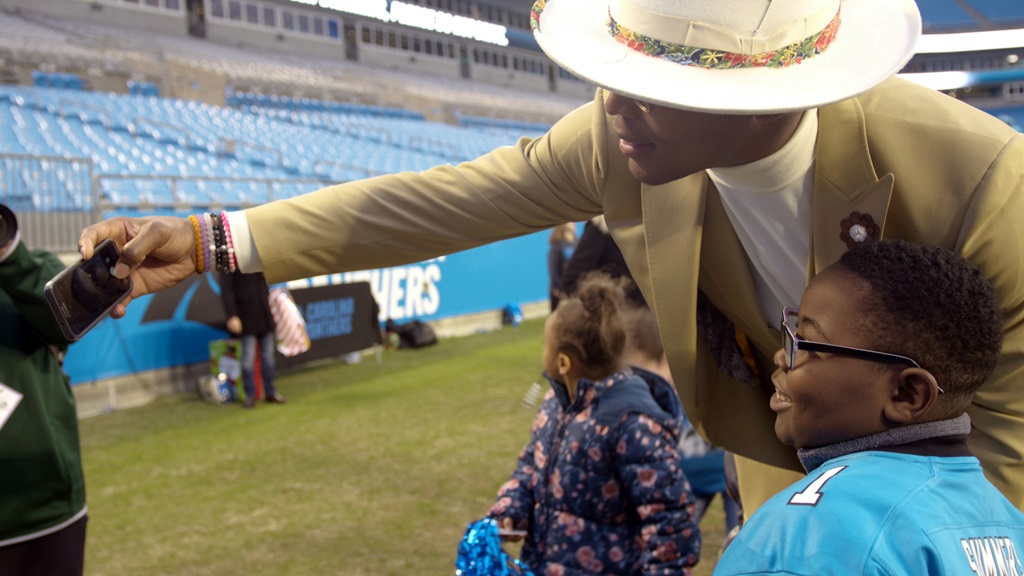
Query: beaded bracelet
x=196, y=227
x=219, y=244
x=212, y=244
x=232, y=262
x=207, y=255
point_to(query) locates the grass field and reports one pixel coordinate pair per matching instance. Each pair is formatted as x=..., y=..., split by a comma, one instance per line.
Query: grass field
x=367, y=470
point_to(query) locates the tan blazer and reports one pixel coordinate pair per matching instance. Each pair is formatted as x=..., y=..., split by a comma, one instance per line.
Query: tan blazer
x=927, y=168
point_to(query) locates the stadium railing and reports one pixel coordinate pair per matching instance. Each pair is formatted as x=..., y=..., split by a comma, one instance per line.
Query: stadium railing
x=52, y=197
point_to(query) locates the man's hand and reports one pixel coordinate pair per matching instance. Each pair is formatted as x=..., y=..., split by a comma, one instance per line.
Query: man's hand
x=157, y=251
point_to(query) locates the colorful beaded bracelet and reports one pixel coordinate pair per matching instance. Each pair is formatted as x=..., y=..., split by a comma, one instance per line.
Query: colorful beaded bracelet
x=215, y=249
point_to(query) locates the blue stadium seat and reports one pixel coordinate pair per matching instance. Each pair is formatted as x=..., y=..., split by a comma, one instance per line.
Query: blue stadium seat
x=1008, y=12
x=938, y=15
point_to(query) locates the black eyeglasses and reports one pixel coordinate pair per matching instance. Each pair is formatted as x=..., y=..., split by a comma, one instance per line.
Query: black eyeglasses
x=791, y=343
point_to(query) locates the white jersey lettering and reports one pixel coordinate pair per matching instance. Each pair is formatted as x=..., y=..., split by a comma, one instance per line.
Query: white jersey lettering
x=992, y=556
x=810, y=495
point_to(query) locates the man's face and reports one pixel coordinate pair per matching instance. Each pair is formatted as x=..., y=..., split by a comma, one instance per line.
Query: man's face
x=666, y=144
x=829, y=398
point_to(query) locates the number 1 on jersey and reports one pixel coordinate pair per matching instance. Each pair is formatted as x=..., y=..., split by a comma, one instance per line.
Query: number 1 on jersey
x=810, y=495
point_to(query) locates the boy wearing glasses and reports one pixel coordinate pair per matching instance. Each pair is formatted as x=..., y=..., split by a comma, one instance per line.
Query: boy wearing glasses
x=874, y=378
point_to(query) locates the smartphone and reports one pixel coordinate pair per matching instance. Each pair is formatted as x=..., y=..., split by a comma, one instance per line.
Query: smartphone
x=84, y=293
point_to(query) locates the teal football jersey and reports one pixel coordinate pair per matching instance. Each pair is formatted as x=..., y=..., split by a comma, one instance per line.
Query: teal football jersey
x=883, y=513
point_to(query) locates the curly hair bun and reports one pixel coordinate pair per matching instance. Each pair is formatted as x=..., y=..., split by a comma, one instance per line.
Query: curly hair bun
x=591, y=325
x=600, y=293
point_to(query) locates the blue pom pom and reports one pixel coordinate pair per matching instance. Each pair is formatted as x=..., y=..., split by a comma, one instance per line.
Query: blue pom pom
x=481, y=554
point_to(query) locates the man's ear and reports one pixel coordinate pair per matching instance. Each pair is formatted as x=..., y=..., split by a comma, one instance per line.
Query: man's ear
x=564, y=363
x=913, y=393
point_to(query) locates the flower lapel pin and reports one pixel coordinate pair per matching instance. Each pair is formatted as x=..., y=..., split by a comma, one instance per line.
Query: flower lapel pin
x=859, y=228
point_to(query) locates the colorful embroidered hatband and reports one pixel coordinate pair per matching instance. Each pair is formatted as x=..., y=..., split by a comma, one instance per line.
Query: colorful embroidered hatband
x=718, y=59
x=538, y=7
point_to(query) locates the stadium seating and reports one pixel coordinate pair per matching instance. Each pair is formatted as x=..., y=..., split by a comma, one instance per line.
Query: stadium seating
x=940, y=15
x=968, y=15
x=150, y=152
x=1004, y=12
x=67, y=43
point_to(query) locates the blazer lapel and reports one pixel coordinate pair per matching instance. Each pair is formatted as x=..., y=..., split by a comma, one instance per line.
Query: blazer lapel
x=673, y=217
x=725, y=276
x=845, y=185
x=689, y=237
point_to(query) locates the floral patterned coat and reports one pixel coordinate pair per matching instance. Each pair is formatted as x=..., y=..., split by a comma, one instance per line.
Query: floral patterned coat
x=599, y=487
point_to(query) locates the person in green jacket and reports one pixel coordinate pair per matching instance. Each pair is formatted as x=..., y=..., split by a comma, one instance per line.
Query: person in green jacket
x=42, y=486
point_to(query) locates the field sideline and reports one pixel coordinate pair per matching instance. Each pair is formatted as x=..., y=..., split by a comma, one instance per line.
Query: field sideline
x=368, y=470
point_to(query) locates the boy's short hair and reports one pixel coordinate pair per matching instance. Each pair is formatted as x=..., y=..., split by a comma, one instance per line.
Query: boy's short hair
x=934, y=307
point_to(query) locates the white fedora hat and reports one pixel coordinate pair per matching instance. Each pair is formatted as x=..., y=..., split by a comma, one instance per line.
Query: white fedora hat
x=730, y=56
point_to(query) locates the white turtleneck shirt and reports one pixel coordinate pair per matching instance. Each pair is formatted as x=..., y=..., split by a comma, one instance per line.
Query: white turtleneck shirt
x=769, y=205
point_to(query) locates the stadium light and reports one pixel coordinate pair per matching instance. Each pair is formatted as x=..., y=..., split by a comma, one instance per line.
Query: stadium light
x=419, y=17
x=954, y=80
x=970, y=41
x=939, y=80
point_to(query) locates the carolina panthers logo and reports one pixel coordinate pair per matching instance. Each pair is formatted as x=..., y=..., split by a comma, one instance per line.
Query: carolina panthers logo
x=196, y=299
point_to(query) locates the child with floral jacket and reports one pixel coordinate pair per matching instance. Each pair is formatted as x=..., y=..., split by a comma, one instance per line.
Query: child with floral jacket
x=599, y=488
